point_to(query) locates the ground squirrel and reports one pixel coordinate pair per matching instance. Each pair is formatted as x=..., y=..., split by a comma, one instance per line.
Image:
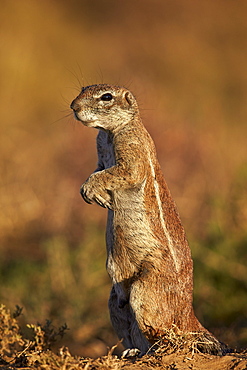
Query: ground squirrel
x=148, y=257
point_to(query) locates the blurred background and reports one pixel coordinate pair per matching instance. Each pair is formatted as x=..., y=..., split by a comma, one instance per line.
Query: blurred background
x=186, y=63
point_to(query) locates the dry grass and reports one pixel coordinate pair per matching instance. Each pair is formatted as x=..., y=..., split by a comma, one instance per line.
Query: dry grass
x=17, y=352
x=174, y=341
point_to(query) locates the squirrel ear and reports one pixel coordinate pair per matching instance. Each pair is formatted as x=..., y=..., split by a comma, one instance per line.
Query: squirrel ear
x=130, y=98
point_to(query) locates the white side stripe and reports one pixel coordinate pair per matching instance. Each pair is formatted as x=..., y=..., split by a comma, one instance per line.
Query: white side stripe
x=168, y=237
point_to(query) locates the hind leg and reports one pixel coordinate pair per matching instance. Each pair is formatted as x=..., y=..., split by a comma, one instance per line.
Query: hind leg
x=120, y=318
x=125, y=324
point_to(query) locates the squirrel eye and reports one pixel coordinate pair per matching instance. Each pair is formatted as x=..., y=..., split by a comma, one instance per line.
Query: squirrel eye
x=106, y=97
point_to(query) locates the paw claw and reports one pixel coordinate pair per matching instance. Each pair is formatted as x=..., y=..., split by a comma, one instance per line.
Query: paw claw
x=131, y=352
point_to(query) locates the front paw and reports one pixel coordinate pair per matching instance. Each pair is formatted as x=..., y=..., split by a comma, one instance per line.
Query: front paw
x=91, y=193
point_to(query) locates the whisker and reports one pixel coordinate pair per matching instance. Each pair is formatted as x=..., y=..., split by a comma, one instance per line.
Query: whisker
x=66, y=101
x=77, y=79
x=60, y=119
x=81, y=75
x=100, y=74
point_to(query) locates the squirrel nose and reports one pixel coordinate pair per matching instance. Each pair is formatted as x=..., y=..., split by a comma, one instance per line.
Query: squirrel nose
x=75, y=106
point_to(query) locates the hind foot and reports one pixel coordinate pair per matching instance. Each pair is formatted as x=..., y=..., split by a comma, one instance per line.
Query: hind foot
x=131, y=352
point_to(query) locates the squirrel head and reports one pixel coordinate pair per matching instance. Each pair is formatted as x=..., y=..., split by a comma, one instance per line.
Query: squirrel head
x=105, y=107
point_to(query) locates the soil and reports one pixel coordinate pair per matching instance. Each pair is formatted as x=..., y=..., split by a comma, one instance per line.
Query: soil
x=196, y=361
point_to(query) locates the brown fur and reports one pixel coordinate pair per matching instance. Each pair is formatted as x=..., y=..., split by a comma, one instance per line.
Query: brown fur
x=148, y=257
